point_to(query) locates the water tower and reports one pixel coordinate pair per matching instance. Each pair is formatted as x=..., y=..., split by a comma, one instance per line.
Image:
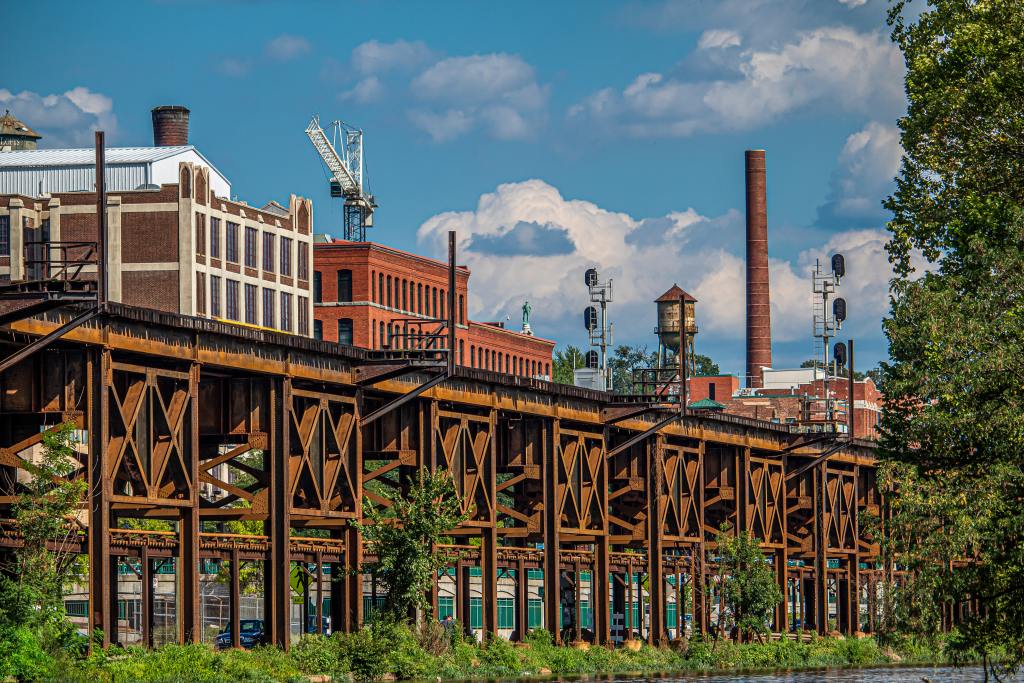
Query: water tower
x=668, y=329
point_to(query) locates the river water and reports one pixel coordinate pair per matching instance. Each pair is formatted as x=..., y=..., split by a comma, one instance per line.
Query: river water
x=907, y=674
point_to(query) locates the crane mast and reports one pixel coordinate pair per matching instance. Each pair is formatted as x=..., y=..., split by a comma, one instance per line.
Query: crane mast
x=344, y=161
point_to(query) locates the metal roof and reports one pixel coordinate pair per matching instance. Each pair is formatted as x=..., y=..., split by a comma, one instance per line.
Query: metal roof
x=87, y=156
x=12, y=126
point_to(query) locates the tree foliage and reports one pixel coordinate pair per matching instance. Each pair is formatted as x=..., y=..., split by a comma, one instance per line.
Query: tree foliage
x=404, y=536
x=748, y=582
x=565, y=361
x=32, y=595
x=954, y=390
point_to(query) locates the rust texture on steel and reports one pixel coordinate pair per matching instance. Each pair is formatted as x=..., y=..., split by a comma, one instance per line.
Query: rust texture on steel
x=197, y=423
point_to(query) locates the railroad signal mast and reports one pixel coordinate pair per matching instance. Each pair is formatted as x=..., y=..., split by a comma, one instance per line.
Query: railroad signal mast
x=595, y=319
x=342, y=154
x=827, y=321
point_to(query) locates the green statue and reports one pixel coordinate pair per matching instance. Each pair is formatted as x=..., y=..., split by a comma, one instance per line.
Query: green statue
x=526, y=313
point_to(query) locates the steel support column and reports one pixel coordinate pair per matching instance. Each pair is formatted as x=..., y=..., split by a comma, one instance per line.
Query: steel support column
x=190, y=617
x=278, y=574
x=102, y=572
x=655, y=506
x=552, y=550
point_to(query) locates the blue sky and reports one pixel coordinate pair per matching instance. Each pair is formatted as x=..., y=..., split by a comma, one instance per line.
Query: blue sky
x=553, y=136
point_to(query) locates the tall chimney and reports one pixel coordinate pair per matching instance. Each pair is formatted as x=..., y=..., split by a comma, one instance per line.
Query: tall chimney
x=170, y=126
x=759, y=321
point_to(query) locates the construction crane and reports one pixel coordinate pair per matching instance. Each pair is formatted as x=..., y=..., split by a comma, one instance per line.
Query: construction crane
x=344, y=161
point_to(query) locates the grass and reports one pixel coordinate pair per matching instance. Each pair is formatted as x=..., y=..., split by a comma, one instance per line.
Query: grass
x=386, y=650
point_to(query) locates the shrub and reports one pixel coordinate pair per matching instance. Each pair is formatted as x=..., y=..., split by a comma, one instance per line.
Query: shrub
x=500, y=656
x=316, y=654
x=22, y=657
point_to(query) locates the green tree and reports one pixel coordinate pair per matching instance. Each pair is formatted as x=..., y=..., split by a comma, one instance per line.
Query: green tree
x=954, y=390
x=565, y=361
x=33, y=590
x=705, y=366
x=404, y=535
x=748, y=582
x=624, y=361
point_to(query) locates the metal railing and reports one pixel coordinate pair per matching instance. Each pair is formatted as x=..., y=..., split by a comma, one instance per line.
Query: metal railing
x=61, y=261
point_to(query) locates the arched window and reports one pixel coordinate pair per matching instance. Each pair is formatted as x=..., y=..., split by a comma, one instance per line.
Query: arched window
x=390, y=330
x=462, y=349
x=462, y=309
x=373, y=334
x=405, y=294
x=441, y=297
x=380, y=288
x=345, y=331
x=345, y=285
x=389, y=294
x=419, y=298
x=547, y=369
x=472, y=356
x=383, y=341
x=494, y=361
x=373, y=285
x=433, y=306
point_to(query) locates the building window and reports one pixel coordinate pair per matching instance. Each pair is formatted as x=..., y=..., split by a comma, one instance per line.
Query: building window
x=462, y=349
x=462, y=309
x=344, y=285
x=388, y=344
x=250, y=305
x=318, y=292
x=506, y=613
x=231, y=242
x=472, y=356
x=318, y=329
x=711, y=391
x=380, y=288
x=476, y=613
x=200, y=234
x=389, y=292
x=268, y=252
x=303, y=316
x=214, y=296
x=286, y=311
x=214, y=237
x=345, y=331
x=268, y=308
x=547, y=369
x=201, y=293
x=383, y=341
x=251, y=235
x=419, y=298
x=535, y=613
x=405, y=295
x=231, y=299
x=302, y=259
x=441, y=298
x=433, y=306
x=286, y=256
x=533, y=368
x=445, y=607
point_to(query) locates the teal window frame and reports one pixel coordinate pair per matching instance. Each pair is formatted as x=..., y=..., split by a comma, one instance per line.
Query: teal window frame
x=506, y=613
x=476, y=613
x=534, y=613
x=445, y=607
x=76, y=608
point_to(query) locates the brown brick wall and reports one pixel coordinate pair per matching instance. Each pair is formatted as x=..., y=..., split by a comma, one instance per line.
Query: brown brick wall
x=78, y=227
x=150, y=237
x=151, y=289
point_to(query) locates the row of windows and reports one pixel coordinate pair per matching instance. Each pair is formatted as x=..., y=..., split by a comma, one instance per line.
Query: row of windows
x=228, y=243
x=405, y=336
x=393, y=292
x=238, y=301
x=479, y=357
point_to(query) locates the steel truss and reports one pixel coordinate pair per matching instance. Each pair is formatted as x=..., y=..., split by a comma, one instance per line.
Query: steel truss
x=200, y=423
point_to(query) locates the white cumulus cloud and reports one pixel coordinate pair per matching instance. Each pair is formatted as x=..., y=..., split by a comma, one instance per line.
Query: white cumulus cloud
x=64, y=120
x=825, y=68
x=375, y=57
x=369, y=89
x=864, y=174
x=497, y=93
x=644, y=256
x=719, y=38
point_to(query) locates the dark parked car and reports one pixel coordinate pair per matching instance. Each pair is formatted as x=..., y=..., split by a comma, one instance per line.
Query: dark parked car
x=311, y=624
x=250, y=634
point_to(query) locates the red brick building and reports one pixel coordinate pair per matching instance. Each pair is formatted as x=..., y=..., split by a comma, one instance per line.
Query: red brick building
x=373, y=296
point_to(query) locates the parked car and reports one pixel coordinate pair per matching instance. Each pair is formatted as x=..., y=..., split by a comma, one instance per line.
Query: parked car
x=250, y=634
x=311, y=624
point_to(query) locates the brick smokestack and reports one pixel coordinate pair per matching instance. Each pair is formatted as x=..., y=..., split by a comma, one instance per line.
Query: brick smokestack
x=759, y=322
x=170, y=126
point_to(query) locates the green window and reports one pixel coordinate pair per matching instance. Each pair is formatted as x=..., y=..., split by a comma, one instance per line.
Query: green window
x=476, y=613
x=506, y=613
x=445, y=607
x=670, y=615
x=584, y=576
x=535, y=573
x=165, y=566
x=76, y=608
x=372, y=608
x=535, y=613
x=475, y=571
x=585, y=619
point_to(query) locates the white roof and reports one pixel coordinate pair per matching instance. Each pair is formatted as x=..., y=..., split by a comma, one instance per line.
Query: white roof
x=87, y=156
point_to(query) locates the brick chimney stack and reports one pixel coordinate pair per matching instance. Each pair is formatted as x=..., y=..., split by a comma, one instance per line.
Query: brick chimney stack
x=759, y=322
x=170, y=126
